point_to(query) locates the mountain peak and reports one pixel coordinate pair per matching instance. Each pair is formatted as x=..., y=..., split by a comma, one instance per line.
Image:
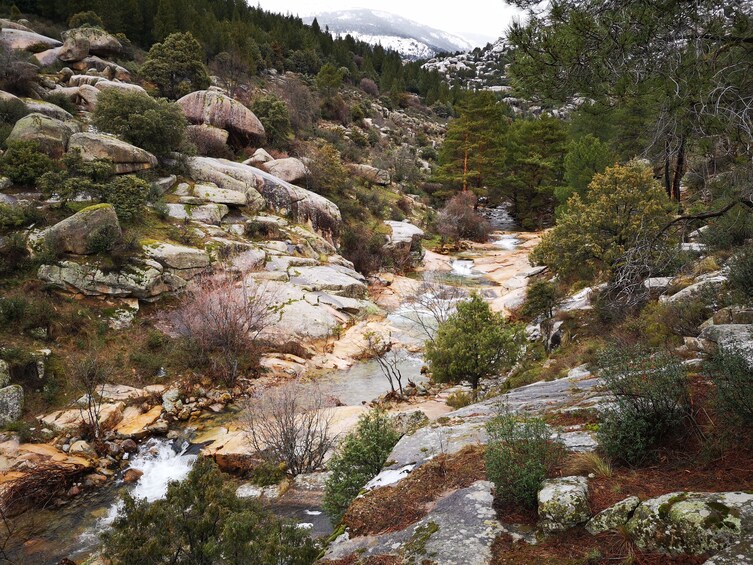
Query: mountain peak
x=409, y=38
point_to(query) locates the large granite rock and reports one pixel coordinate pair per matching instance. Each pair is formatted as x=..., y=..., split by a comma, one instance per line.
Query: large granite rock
x=11, y=403
x=206, y=214
x=104, y=84
x=52, y=136
x=290, y=169
x=24, y=40
x=692, y=523
x=127, y=158
x=405, y=241
x=75, y=234
x=216, y=109
x=371, y=174
x=330, y=278
x=262, y=189
x=563, y=503
x=46, y=108
x=141, y=281
x=80, y=42
x=178, y=257
x=709, y=281
x=212, y=193
x=731, y=337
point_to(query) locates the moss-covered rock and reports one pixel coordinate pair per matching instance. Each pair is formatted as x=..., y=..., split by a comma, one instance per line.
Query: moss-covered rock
x=613, y=517
x=563, y=503
x=690, y=523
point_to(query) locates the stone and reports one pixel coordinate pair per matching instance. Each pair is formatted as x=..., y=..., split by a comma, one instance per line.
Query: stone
x=371, y=174
x=129, y=446
x=47, y=109
x=93, y=40
x=51, y=135
x=692, y=523
x=739, y=553
x=733, y=315
x=80, y=447
x=613, y=517
x=289, y=169
x=563, y=503
x=76, y=233
x=713, y=280
x=409, y=422
x=103, y=84
x=211, y=193
x=404, y=240
x=95, y=480
x=330, y=279
x=169, y=400
x=163, y=184
x=25, y=40
x=140, y=281
x=74, y=50
x=206, y=214
x=180, y=257
x=737, y=337
x=11, y=403
x=126, y=158
x=132, y=476
x=259, y=157
x=216, y=109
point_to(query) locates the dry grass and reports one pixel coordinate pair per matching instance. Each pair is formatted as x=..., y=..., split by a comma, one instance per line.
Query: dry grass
x=587, y=464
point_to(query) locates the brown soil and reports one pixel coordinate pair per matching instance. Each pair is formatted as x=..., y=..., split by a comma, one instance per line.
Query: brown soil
x=391, y=509
x=578, y=547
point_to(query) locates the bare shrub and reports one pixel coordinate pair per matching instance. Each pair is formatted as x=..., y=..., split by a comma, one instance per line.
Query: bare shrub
x=369, y=87
x=459, y=220
x=303, y=104
x=91, y=374
x=388, y=358
x=207, y=143
x=220, y=321
x=432, y=304
x=289, y=424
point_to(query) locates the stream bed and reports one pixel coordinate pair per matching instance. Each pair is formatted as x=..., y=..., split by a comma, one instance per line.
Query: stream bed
x=73, y=530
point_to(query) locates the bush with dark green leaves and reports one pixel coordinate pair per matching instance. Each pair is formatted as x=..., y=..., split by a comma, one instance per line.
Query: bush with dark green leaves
x=89, y=18
x=128, y=194
x=651, y=401
x=176, y=66
x=274, y=116
x=519, y=456
x=732, y=374
x=542, y=298
x=359, y=458
x=23, y=163
x=156, y=125
x=202, y=521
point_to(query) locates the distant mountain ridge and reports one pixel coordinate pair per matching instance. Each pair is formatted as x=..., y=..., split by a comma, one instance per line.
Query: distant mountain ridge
x=411, y=39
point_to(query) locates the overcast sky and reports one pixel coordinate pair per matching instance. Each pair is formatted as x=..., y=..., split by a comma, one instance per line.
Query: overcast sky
x=487, y=18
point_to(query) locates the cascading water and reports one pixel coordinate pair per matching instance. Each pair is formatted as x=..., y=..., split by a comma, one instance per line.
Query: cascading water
x=506, y=242
x=462, y=267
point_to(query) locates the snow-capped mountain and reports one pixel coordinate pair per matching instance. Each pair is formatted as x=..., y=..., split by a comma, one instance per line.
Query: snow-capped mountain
x=411, y=39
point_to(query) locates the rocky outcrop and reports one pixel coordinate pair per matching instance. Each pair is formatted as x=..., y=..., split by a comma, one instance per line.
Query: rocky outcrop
x=259, y=157
x=563, y=503
x=11, y=403
x=110, y=414
x=80, y=42
x=51, y=135
x=127, y=158
x=404, y=242
x=371, y=174
x=144, y=281
x=216, y=109
x=731, y=337
x=46, y=108
x=75, y=234
x=178, y=257
x=212, y=193
x=290, y=169
x=613, y=517
x=692, y=523
x=206, y=136
x=263, y=189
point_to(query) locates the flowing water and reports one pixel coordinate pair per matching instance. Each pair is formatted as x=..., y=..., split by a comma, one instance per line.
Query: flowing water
x=74, y=529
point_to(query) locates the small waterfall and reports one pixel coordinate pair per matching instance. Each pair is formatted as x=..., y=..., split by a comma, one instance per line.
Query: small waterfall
x=506, y=242
x=462, y=267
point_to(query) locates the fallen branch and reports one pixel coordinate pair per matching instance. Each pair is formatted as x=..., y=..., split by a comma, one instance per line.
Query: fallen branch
x=707, y=215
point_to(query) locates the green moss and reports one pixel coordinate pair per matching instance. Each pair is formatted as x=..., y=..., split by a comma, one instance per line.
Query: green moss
x=665, y=508
x=417, y=543
x=94, y=207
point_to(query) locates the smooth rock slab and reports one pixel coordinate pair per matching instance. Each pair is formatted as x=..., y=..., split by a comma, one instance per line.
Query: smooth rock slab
x=51, y=135
x=206, y=214
x=139, y=281
x=329, y=278
x=127, y=158
x=459, y=530
x=563, y=503
x=211, y=193
x=179, y=257
x=691, y=522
